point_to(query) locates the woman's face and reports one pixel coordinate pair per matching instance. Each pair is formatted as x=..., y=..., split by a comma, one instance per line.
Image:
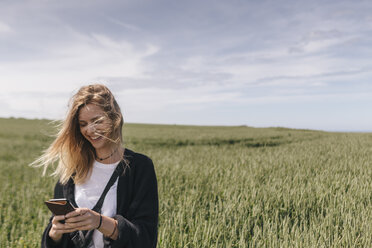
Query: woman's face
x=94, y=125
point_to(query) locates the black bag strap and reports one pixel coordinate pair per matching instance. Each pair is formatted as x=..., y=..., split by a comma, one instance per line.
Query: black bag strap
x=83, y=239
x=118, y=170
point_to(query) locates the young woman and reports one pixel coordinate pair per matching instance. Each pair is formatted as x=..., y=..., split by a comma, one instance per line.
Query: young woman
x=88, y=149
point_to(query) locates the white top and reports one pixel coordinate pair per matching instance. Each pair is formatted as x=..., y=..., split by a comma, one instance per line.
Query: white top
x=88, y=193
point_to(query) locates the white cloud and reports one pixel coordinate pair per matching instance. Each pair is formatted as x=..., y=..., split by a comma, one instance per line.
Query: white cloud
x=4, y=28
x=83, y=60
x=51, y=105
x=303, y=97
x=123, y=24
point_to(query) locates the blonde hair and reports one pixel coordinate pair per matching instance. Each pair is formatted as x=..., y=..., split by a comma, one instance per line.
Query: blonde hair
x=75, y=154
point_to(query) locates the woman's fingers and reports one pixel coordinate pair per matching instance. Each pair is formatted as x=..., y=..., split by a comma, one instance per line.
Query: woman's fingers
x=58, y=218
x=77, y=218
x=82, y=225
x=62, y=229
x=59, y=228
x=82, y=219
x=83, y=215
x=77, y=212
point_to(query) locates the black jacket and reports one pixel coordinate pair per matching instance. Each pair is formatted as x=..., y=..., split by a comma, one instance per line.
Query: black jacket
x=137, y=206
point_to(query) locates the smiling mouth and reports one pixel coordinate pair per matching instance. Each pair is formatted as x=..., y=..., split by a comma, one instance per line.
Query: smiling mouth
x=96, y=138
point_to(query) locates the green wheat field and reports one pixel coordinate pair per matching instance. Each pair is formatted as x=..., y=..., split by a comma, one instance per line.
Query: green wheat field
x=218, y=186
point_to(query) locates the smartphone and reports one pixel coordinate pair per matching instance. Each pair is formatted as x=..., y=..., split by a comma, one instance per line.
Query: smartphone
x=60, y=206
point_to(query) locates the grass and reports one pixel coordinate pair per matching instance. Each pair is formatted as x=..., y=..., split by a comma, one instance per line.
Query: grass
x=218, y=186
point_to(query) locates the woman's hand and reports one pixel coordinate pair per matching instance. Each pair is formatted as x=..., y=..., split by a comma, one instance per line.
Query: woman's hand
x=58, y=228
x=82, y=219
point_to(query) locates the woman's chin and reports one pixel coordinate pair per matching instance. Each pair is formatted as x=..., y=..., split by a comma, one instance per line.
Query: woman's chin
x=98, y=144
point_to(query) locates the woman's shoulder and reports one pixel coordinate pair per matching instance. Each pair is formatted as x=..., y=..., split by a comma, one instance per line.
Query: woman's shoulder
x=138, y=161
x=135, y=157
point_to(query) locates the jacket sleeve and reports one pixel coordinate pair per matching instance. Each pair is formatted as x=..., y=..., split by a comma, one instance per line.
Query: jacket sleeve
x=46, y=241
x=139, y=228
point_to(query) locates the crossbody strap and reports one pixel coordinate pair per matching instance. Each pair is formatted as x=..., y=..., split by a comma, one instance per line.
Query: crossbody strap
x=118, y=170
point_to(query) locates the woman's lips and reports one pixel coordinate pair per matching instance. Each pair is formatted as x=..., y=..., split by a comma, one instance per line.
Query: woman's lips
x=96, y=138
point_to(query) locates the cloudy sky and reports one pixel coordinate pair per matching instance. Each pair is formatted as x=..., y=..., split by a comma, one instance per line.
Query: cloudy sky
x=300, y=64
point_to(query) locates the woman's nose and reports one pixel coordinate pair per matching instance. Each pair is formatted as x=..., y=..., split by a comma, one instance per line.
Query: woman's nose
x=91, y=128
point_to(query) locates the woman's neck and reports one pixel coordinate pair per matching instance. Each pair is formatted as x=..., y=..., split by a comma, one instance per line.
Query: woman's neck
x=110, y=155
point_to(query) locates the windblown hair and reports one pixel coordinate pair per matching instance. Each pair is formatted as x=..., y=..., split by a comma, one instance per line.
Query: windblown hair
x=74, y=154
